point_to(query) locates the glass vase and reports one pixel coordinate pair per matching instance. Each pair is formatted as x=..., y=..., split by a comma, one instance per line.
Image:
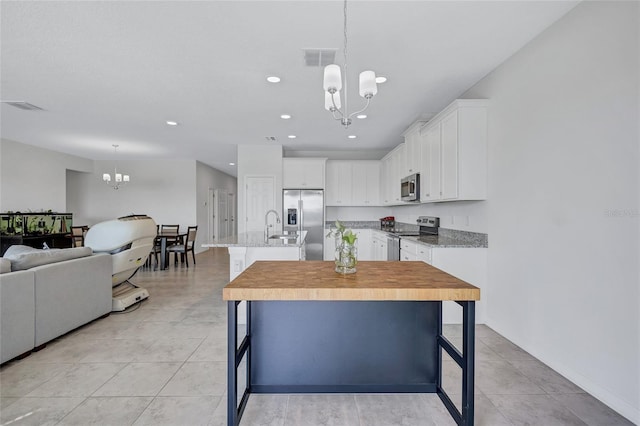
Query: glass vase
x=346, y=258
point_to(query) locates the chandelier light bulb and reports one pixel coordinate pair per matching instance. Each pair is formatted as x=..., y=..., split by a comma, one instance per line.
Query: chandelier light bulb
x=332, y=78
x=106, y=177
x=368, y=86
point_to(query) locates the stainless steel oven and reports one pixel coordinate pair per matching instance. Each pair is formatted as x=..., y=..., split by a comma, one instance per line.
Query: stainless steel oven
x=410, y=188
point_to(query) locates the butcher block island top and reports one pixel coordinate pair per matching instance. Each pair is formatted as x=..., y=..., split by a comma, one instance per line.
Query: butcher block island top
x=374, y=280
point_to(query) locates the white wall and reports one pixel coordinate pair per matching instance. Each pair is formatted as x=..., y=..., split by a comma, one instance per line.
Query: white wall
x=162, y=189
x=564, y=200
x=208, y=178
x=258, y=160
x=33, y=179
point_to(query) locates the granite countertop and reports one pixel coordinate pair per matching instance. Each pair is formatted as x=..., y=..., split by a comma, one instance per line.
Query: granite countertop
x=256, y=239
x=441, y=241
x=447, y=238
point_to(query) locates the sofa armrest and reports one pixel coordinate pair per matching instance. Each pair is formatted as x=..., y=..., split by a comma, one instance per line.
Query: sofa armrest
x=17, y=314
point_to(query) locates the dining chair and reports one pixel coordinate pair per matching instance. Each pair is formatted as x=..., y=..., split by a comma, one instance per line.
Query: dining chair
x=188, y=245
x=154, y=250
x=77, y=235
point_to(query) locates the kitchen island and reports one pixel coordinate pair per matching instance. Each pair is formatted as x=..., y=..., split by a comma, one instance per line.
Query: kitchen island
x=247, y=247
x=310, y=329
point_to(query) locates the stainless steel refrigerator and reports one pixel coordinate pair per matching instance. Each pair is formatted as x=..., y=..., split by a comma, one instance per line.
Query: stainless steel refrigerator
x=303, y=210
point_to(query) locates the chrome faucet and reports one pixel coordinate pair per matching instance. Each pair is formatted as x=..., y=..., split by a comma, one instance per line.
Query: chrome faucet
x=266, y=222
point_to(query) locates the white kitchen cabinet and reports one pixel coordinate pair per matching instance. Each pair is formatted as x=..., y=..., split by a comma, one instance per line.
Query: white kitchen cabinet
x=385, y=178
x=412, y=142
x=379, y=243
x=454, y=153
x=353, y=183
x=430, y=156
x=363, y=243
x=393, y=173
x=303, y=173
x=339, y=182
x=449, y=155
x=424, y=254
x=365, y=189
x=408, y=250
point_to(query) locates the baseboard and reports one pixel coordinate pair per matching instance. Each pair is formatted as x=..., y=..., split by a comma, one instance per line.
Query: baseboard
x=603, y=395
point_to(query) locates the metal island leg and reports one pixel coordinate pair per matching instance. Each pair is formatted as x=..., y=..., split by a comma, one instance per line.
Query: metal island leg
x=465, y=360
x=234, y=357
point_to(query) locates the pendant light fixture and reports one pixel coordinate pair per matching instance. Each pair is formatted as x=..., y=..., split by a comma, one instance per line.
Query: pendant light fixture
x=333, y=85
x=118, y=178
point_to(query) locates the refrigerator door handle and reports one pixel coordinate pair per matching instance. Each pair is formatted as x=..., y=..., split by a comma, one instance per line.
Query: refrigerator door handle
x=301, y=220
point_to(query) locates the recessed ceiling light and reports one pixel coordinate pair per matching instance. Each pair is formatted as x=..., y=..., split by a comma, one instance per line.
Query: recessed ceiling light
x=292, y=136
x=380, y=80
x=352, y=136
x=361, y=116
x=273, y=79
x=285, y=116
x=172, y=123
x=232, y=164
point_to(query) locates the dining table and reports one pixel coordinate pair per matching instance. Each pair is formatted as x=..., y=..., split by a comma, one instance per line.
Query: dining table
x=167, y=238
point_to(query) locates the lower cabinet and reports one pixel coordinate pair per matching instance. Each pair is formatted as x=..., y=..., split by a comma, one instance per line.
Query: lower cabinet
x=379, y=245
x=467, y=264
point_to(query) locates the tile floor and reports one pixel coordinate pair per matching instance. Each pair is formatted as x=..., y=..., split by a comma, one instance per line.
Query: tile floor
x=165, y=364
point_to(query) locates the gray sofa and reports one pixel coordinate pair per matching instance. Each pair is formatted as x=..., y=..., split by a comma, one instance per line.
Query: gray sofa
x=44, y=302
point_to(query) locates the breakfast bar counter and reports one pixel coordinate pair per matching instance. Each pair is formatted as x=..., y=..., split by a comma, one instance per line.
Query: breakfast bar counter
x=310, y=329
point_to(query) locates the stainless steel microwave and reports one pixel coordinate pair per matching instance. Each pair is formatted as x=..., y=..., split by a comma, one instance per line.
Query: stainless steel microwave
x=410, y=188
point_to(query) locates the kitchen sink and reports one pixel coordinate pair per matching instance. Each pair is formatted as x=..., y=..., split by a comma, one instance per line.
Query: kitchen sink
x=283, y=237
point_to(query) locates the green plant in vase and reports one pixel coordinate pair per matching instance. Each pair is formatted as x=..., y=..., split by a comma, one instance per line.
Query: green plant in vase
x=346, y=250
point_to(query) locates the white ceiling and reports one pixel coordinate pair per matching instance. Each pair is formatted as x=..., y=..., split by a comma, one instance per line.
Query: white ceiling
x=114, y=72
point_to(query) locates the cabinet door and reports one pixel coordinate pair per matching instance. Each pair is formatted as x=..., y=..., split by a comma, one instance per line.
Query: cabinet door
x=364, y=244
x=408, y=250
x=412, y=153
x=385, y=178
x=397, y=173
x=430, y=177
x=366, y=183
x=300, y=173
x=449, y=141
x=339, y=182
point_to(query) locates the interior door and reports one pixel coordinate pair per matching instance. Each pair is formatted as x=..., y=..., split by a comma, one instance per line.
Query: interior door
x=260, y=197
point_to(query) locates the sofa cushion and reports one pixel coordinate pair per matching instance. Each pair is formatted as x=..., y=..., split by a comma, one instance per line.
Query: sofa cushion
x=5, y=265
x=24, y=257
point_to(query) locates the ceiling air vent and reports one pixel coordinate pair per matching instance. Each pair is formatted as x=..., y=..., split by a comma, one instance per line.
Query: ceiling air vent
x=22, y=105
x=319, y=57
x=270, y=138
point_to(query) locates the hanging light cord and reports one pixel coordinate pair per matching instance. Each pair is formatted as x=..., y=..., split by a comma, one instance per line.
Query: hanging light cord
x=344, y=52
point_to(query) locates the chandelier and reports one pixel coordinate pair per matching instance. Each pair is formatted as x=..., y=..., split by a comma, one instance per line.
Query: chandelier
x=333, y=85
x=118, y=178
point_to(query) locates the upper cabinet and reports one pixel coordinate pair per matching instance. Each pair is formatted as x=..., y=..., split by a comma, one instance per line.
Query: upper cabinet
x=366, y=183
x=303, y=173
x=412, y=146
x=339, y=183
x=454, y=153
x=394, y=170
x=353, y=183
